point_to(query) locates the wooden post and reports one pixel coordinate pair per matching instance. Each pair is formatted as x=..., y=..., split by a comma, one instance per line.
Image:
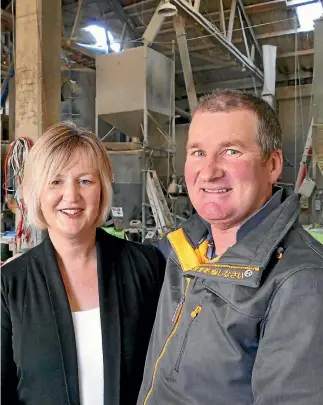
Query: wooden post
x=37, y=66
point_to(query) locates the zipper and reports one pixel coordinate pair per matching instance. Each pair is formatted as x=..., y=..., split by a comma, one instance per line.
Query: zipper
x=194, y=314
x=176, y=318
x=178, y=310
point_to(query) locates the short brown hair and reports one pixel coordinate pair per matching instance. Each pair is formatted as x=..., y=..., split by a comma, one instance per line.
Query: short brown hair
x=269, y=133
x=50, y=154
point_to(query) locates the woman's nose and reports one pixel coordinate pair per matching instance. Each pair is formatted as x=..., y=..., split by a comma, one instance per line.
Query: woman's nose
x=71, y=192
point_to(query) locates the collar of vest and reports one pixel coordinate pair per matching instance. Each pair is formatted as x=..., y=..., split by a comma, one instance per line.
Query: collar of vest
x=242, y=263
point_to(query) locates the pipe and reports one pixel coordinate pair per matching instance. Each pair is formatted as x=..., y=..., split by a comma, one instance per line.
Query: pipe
x=5, y=85
x=182, y=113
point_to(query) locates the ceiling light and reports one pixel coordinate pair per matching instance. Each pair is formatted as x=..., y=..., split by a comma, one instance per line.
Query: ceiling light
x=167, y=9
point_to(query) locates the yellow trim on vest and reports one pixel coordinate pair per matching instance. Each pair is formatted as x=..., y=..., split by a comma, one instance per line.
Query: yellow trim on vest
x=224, y=266
x=188, y=280
x=188, y=256
x=185, y=252
x=201, y=252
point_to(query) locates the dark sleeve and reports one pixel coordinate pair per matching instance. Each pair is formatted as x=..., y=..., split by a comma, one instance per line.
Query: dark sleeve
x=289, y=364
x=9, y=379
x=164, y=246
x=158, y=266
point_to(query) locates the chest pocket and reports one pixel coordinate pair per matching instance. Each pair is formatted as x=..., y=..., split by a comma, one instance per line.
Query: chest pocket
x=193, y=315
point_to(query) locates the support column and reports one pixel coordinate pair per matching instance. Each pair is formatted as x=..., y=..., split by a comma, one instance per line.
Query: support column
x=269, y=57
x=153, y=27
x=37, y=66
x=231, y=19
x=318, y=100
x=179, y=23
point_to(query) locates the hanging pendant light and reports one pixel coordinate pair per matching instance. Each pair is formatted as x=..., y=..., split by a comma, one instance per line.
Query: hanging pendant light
x=167, y=9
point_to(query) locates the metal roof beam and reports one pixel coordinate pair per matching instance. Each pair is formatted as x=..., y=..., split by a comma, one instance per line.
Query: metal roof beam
x=251, y=9
x=239, y=84
x=205, y=68
x=249, y=26
x=124, y=17
x=216, y=34
x=275, y=34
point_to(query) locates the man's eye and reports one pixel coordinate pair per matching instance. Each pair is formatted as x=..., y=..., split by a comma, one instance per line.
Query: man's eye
x=231, y=152
x=198, y=153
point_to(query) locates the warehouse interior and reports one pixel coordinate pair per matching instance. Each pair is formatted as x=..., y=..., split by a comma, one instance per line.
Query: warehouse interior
x=132, y=71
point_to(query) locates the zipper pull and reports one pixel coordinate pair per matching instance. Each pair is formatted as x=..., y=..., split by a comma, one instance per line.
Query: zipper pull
x=178, y=310
x=196, y=311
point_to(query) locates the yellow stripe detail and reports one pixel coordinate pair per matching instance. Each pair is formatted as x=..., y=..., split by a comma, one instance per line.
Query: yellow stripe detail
x=201, y=252
x=225, y=266
x=165, y=346
x=185, y=252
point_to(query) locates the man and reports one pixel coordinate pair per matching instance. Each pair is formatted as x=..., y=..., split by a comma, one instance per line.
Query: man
x=240, y=317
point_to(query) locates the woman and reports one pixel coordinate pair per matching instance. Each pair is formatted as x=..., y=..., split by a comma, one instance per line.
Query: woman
x=78, y=309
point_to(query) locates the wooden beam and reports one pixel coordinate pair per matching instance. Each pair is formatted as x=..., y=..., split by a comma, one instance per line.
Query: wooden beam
x=286, y=93
x=76, y=67
x=37, y=70
x=6, y=20
x=73, y=47
x=304, y=52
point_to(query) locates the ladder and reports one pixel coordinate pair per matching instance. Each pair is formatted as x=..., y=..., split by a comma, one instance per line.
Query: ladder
x=305, y=161
x=161, y=213
x=312, y=141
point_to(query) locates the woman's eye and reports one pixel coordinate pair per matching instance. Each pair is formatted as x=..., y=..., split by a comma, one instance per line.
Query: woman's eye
x=198, y=153
x=85, y=182
x=55, y=182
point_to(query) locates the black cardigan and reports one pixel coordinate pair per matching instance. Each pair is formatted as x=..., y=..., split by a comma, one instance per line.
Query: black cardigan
x=39, y=359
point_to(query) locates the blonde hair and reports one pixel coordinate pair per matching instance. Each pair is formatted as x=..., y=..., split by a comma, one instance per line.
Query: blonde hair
x=50, y=154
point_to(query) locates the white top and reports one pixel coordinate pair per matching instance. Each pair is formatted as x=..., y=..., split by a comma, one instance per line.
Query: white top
x=88, y=335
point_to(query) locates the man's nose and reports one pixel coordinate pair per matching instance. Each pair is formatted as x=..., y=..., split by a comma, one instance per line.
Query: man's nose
x=71, y=191
x=211, y=170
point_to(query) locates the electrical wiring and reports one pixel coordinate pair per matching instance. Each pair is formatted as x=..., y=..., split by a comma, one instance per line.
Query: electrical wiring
x=13, y=173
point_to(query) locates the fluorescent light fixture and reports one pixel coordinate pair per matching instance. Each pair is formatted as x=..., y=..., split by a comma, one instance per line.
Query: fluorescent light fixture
x=115, y=46
x=100, y=34
x=307, y=14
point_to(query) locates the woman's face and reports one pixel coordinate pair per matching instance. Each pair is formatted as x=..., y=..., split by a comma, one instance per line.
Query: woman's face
x=70, y=203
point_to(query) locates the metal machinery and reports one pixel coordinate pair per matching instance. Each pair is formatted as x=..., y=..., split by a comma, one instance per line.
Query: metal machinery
x=141, y=105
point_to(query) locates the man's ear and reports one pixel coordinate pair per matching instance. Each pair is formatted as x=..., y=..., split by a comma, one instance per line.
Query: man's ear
x=275, y=163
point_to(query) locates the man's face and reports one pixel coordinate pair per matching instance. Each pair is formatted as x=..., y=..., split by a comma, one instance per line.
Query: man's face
x=226, y=176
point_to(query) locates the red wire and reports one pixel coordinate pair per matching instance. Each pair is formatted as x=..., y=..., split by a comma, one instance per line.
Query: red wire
x=20, y=229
